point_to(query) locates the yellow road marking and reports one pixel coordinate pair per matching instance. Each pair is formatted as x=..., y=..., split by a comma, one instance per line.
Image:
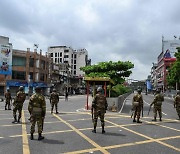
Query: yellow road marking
x=10, y=125
x=24, y=136
x=82, y=135
x=154, y=123
x=147, y=137
x=82, y=151
x=5, y=118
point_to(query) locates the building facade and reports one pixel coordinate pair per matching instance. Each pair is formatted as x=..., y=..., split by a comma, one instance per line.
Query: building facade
x=29, y=69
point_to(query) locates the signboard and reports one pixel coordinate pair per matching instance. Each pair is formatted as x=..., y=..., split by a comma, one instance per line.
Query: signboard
x=5, y=59
x=169, y=47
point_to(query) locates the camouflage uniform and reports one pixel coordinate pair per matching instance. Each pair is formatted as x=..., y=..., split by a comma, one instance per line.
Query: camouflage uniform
x=177, y=103
x=137, y=108
x=157, y=105
x=54, y=99
x=99, y=107
x=18, y=104
x=37, y=109
x=8, y=100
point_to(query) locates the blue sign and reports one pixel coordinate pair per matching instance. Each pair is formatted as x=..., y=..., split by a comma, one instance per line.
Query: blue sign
x=16, y=84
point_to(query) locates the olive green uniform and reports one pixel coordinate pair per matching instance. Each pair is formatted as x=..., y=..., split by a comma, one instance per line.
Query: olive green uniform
x=157, y=102
x=37, y=109
x=99, y=106
x=177, y=104
x=8, y=100
x=137, y=105
x=18, y=104
x=54, y=99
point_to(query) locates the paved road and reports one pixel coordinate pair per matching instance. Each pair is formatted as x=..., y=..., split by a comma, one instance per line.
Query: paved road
x=70, y=131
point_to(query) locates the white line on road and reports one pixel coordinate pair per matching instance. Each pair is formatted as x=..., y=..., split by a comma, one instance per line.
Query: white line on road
x=149, y=104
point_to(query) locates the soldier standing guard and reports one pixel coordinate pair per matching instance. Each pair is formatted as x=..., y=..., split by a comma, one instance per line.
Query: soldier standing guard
x=99, y=107
x=37, y=109
x=54, y=99
x=18, y=104
x=8, y=100
x=137, y=105
x=177, y=103
x=157, y=102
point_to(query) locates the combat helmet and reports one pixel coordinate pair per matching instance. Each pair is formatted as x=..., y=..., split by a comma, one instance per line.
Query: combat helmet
x=54, y=90
x=21, y=88
x=99, y=89
x=178, y=91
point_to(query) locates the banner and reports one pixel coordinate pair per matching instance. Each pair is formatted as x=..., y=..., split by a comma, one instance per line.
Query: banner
x=5, y=59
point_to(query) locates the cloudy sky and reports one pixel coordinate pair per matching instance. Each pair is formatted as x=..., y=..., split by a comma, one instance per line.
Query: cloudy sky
x=109, y=29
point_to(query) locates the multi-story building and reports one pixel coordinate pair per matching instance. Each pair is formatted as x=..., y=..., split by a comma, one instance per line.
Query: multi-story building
x=164, y=61
x=154, y=76
x=70, y=61
x=29, y=69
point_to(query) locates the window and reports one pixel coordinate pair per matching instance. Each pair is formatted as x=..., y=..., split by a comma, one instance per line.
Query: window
x=18, y=61
x=42, y=64
x=66, y=56
x=60, y=60
x=72, y=55
x=74, y=72
x=74, y=66
x=74, y=61
x=31, y=62
x=51, y=54
x=75, y=56
x=60, y=54
x=31, y=75
x=18, y=75
x=55, y=54
x=55, y=60
x=66, y=61
x=42, y=77
x=66, y=50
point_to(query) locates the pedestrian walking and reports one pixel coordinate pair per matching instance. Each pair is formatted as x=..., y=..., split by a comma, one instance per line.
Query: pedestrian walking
x=37, y=109
x=66, y=96
x=54, y=100
x=177, y=103
x=18, y=104
x=157, y=102
x=8, y=100
x=99, y=107
x=137, y=106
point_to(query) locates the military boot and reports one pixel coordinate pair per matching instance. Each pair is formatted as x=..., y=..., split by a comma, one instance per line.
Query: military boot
x=134, y=120
x=40, y=137
x=160, y=119
x=31, y=137
x=18, y=119
x=138, y=121
x=15, y=120
x=94, y=130
x=103, y=131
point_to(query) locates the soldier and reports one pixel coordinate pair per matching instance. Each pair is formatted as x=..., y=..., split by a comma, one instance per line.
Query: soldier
x=177, y=103
x=8, y=100
x=54, y=99
x=37, y=109
x=137, y=105
x=99, y=107
x=18, y=103
x=157, y=102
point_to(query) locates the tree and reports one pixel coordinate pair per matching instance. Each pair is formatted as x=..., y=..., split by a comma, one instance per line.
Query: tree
x=116, y=71
x=173, y=77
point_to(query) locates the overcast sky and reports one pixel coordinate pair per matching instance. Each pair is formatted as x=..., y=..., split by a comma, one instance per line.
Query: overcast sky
x=109, y=29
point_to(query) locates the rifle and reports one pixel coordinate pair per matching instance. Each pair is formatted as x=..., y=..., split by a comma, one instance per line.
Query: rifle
x=92, y=114
x=42, y=123
x=142, y=111
x=149, y=110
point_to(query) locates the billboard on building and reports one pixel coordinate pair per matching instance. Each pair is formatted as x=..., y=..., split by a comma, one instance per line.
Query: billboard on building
x=5, y=59
x=169, y=47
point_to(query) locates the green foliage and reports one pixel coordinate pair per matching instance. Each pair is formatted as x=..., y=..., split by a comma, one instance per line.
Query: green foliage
x=174, y=71
x=118, y=90
x=114, y=70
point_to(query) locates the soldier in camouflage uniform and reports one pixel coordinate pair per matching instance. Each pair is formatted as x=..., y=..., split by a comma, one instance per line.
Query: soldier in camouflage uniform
x=99, y=107
x=54, y=99
x=157, y=102
x=37, y=109
x=177, y=103
x=137, y=105
x=18, y=104
x=8, y=99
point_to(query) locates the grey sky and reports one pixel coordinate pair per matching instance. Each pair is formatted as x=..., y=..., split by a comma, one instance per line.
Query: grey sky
x=108, y=29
